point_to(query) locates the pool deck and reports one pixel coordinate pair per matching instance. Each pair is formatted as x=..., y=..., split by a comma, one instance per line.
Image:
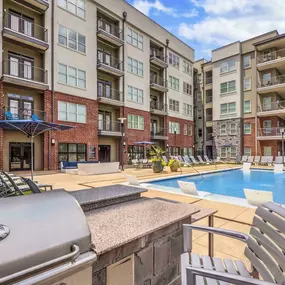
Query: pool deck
x=229, y=216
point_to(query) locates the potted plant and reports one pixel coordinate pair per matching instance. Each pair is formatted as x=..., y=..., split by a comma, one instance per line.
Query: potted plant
x=156, y=159
x=174, y=164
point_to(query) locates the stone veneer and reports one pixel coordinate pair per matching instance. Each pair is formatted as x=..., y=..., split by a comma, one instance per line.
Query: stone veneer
x=219, y=140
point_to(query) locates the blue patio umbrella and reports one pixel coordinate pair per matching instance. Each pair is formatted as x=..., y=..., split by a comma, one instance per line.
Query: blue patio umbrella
x=145, y=143
x=32, y=128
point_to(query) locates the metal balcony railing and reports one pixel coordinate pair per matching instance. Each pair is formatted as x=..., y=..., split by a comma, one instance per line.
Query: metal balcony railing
x=109, y=93
x=209, y=99
x=24, y=71
x=110, y=28
x=209, y=80
x=278, y=105
x=160, y=106
x=267, y=132
x=107, y=59
x=155, y=53
x=158, y=80
x=158, y=132
x=209, y=117
x=265, y=57
x=110, y=126
x=17, y=113
x=273, y=81
x=25, y=26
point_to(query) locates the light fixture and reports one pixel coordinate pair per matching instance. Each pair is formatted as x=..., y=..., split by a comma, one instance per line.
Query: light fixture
x=122, y=120
x=53, y=141
x=167, y=145
x=124, y=143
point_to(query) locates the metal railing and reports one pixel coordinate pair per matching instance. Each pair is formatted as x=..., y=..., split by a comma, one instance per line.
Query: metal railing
x=278, y=105
x=17, y=113
x=264, y=57
x=110, y=126
x=107, y=59
x=158, y=80
x=209, y=137
x=280, y=79
x=209, y=117
x=209, y=99
x=109, y=93
x=110, y=28
x=155, y=53
x=208, y=80
x=158, y=132
x=267, y=132
x=160, y=106
x=24, y=71
x=24, y=26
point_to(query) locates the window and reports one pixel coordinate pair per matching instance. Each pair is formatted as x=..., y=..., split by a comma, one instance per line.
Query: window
x=247, y=106
x=267, y=151
x=135, y=66
x=200, y=133
x=199, y=114
x=199, y=78
x=247, y=83
x=228, y=66
x=247, y=151
x=187, y=109
x=174, y=60
x=71, y=152
x=228, y=108
x=190, y=130
x=233, y=151
x=247, y=61
x=266, y=103
x=267, y=126
x=187, y=67
x=136, y=122
x=223, y=152
x=223, y=130
x=185, y=150
x=71, y=76
x=173, y=105
x=185, y=129
x=227, y=87
x=76, y=7
x=247, y=128
x=135, y=39
x=187, y=88
x=233, y=129
x=266, y=79
x=135, y=94
x=199, y=97
x=70, y=112
x=173, y=126
x=190, y=151
x=71, y=39
x=174, y=83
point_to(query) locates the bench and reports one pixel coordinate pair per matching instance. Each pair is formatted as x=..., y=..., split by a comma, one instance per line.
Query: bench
x=68, y=165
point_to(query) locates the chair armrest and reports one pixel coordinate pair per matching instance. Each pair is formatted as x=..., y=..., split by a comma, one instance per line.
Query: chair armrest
x=192, y=272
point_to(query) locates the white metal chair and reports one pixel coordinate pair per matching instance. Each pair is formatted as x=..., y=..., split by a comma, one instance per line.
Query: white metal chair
x=132, y=180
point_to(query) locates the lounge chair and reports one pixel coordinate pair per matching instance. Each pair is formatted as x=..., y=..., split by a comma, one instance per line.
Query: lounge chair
x=193, y=159
x=132, y=180
x=135, y=163
x=165, y=159
x=32, y=185
x=244, y=158
x=246, y=166
x=270, y=160
x=207, y=159
x=200, y=159
x=256, y=160
x=188, y=188
x=182, y=161
x=12, y=185
x=250, y=159
x=187, y=159
x=238, y=159
x=257, y=197
x=264, y=249
x=263, y=160
x=278, y=160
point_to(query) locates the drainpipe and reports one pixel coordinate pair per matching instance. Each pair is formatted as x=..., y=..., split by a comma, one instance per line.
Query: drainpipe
x=256, y=104
x=203, y=112
x=165, y=94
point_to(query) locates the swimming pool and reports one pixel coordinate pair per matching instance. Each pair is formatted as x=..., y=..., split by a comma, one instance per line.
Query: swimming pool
x=232, y=183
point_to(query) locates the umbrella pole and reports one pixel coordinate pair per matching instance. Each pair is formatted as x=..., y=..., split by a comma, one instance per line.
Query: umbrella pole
x=144, y=151
x=32, y=158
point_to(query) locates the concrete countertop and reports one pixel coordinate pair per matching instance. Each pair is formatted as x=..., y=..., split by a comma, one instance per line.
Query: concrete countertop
x=120, y=224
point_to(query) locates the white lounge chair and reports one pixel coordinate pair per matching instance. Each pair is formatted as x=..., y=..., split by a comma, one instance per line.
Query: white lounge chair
x=200, y=159
x=257, y=197
x=189, y=188
x=187, y=159
x=244, y=158
x=135, y=162
x=132, y=180
x=256, y=159
x=278, y=168
x=207, y=159
x=250, y=159
x=278, y=160
x=165, y=159
x=193, y=159
x=269, y=160
x=246, y=166
x=263, y=160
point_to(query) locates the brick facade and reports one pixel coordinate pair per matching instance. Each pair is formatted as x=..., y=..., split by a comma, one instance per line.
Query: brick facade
x=249, y=140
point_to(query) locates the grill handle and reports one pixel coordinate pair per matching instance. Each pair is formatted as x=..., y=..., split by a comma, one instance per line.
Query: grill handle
x=72, y=255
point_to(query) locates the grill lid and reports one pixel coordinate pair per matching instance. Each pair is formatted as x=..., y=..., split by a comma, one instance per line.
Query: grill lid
x=36, y=229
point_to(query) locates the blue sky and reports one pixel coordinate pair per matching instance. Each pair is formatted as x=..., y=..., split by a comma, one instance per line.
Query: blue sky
x=208, y=24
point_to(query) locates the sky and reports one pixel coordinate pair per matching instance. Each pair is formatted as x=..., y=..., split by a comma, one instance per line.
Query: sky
x=208, y=24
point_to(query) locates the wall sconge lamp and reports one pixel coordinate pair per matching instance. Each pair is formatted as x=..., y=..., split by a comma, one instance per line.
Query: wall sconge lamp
x=52, y=141
x=167, y=145
x=124, y=143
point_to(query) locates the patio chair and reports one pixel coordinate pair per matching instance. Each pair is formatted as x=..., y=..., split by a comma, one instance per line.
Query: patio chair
x=135, y=163
x=193, y=159
x=257, y=197
x=132, y=180
x=238, y=159
x=270, y=160
x=189, y=188
x=278, y=160
x=165, y=159
x=12, y=185
x=217, y=160
x=263, y=160
x=256, y=160
x=32, y=186
x=200, y=159
x=207, y=159
x=244, y=158
x=187, y=159
x=265, y=245
x=250, y=159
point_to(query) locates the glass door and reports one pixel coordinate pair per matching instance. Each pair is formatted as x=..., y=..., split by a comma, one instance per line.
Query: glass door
x=266, y=103
x=27, y=110
x=108, y=121
x=14, y=66
x=100, y=121
x=28, y=69
x=20, y=156
x=14, y=109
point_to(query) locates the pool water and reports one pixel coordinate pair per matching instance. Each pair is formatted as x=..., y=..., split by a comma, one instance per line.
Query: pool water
x=232, y=183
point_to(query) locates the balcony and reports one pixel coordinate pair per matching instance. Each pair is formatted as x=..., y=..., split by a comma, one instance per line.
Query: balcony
x=16, y=113
x=109, y=128
x=273, y=59
x=158, y=108
x=158, y=134
x=273, y=109
x=110, y=96
x=110, y=32
x=158, y=83
x=209, y=139
x=22, y=74
x=39, y=6
x=269, y=134
x=274, y=84
x=158, y=58
x=24, y=31
x=209, y=117
x=208, y=80
x=109, y=64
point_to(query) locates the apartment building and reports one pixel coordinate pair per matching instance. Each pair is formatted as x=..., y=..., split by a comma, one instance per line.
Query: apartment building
x=87, y=64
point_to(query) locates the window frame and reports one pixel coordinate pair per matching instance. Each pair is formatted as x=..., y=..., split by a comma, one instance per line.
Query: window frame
x=67, y=112
x=187, y=88
x=187, y=67
x=227, y=88
x=231, y=129
x=172, y=126
x=244, y=110
x=245, y=129
x=187, y=110
x=223, y=127
x=131, y=39
x=249, y=66
x=135, y=122
x=244, y=84
x=174, y=83
x=228, y=108
x=64, y=5
x=67, y=152
x=131, y=66
x=68, y=76
x=173, y=106
x=140, y=94
x=245, y=152
x=173, y=59
x=226, y=65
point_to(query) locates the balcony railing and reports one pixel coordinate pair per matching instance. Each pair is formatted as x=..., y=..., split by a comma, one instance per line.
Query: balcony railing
x=155, y=53
x=25, y=26
x=209, y=117
x=17, y=113
x=209, y=137
x=273, y=81
x=109, y=126
x=268, y=132
x=110, y=93
x=108, y=59
x=209, y=80
x=24, y=71
x=160, y=106
x=209, y=99
x=265, y=57
x=158, y=132
x=158, y=80
x=279, y=105
x=109, y=28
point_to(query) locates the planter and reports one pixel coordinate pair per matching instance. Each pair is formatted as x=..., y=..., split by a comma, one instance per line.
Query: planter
x=175, y=166
x=157, y=166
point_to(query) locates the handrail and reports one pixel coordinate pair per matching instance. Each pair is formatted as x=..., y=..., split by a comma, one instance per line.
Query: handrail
x=110, y=28
x=24, y=113
x=268, y=56
x=112, y=126
x=269, y=132
x=155, y=53
x=154, y=79
x=278, y=105
x=158, y=131
x=276, y=80
x=158, y=106
x=106, y=58
x=110, y=94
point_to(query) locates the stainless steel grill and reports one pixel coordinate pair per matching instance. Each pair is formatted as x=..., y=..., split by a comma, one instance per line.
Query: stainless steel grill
x=43, y=238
